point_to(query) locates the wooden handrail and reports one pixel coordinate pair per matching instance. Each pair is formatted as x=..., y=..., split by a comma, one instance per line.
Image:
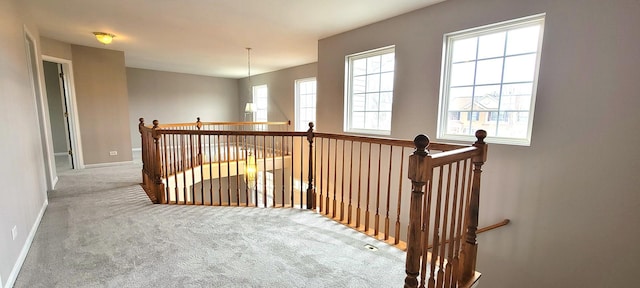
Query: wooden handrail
x=482, y=230
x=493, y=226
x=388, y=141
x=187, y=124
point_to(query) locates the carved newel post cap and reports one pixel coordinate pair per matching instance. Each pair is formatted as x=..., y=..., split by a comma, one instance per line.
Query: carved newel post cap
x=481, y=134
x=141, y=121
x=311, y=125
x=422, y=142
x=155, y=123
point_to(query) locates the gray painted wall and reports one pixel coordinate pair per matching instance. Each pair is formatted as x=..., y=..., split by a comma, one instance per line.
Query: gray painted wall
x=103, y=104
x=178, y=98
x=24, y=188
x=573, y=194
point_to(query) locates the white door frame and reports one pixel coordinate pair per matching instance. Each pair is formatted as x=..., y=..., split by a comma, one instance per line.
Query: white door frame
x=42, y=108
x=72, y=109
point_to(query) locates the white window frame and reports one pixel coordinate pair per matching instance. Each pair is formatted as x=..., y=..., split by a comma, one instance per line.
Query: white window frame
x=260, y=110
x=348, y=111
x=303, y=124
x=448, y=40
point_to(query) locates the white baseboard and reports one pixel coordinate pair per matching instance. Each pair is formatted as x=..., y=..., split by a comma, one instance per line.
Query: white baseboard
x=61, y=154
x=25, y=248
x=54, y=183
x=107, y=164
x=136, y=149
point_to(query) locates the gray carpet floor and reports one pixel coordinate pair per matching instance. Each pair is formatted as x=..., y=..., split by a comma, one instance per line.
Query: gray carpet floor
x=100, y=230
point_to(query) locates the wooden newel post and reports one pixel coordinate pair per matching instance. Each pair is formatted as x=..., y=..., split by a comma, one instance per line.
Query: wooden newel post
x=311, y=191
x=158, y=186
x=469, y=252
x=419, y=173
x=142, y=152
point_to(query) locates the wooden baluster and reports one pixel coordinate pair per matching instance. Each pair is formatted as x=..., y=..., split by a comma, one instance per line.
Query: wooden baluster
x=199, y=126
x=282, y=152
x=436, y=231
x=470, y=246
x=460, y=223
x=273, y=169
x=366, y=212
x=377, y=217
x=358, y=209
x=451, y=261
x=218, y=152
x=426, y=225
x=264, y=170
x=321, y=183
x=326, y=211
x=315, y=176
x=397, y=230
x=183, y=146
x=446, y=242
x=419, y=172
x=342, y=178
x=386, y=218
x=166, y=164
x=292, y=174
x=311, y=192
x=199, y=161
x=335, y=182
x=193, y=172
x=176, y=166
x=237, y=160
x=302, y=200
x=228, y=159
x=350, y=208
x=210, y=170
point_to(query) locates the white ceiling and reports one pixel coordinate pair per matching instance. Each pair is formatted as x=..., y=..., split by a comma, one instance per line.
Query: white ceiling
x=209, y=37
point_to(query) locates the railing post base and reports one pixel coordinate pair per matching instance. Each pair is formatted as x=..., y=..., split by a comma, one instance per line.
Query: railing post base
x=468, y=262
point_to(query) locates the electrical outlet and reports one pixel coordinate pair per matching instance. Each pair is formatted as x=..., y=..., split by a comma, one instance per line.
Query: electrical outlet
x=113, y=153
x=14, y=232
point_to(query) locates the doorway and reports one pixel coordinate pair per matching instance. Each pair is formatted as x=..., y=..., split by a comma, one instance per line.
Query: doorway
x=58, y=83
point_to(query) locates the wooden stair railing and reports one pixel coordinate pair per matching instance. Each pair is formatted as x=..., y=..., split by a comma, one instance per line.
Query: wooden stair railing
x=354, y=180
x=443, y=221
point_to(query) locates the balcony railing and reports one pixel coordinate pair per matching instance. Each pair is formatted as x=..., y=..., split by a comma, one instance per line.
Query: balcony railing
x=358, y=181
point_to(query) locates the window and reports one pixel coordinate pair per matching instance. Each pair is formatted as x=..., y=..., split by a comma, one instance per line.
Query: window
x=260, y=100
x=369, y=91
x=305, y=103
x=491, y=70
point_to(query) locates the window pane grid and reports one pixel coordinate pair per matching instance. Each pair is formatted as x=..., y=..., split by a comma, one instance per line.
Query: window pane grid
x=370, y=93
x=260, y=100
x=490, y=80
x=305, y=103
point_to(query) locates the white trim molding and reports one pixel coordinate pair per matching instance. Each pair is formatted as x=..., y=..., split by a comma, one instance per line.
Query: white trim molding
x=25, y=249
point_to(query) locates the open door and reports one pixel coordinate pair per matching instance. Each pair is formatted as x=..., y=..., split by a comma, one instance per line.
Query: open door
x=62, y=113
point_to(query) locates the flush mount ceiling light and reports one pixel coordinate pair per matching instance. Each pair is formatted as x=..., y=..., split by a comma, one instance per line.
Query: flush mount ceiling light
x=104, y=38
